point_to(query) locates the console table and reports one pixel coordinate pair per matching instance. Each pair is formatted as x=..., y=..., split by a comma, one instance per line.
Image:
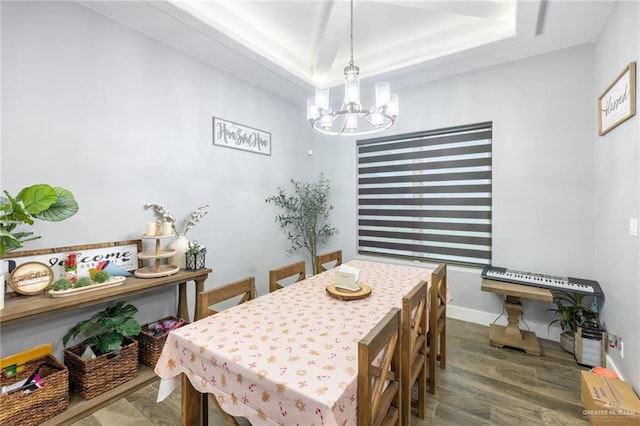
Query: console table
x=22, y=308
x=511, y=335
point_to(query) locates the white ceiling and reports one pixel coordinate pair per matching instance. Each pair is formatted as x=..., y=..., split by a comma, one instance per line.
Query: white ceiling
x=288, y=47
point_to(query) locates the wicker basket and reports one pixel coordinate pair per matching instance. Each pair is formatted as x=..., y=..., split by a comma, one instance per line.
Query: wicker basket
x=150, y=346
x=33, y=408
x=96, y=376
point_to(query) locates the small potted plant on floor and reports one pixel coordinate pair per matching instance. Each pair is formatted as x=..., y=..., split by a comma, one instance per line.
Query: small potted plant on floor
x=569, y=313
x=108, y=356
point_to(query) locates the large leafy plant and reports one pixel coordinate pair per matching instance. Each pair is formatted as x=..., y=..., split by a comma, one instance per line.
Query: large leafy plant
x=305, y=217
x=40, y=201
x=569, y=311
x=107, y=329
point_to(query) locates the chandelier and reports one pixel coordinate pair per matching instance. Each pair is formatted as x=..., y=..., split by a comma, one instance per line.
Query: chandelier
x=346, y=121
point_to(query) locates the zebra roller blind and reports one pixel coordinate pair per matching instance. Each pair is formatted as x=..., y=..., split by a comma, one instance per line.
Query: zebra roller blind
x=427, y=195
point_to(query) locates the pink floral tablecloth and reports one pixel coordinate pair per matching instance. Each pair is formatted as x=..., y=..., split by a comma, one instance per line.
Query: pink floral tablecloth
x=288, y=357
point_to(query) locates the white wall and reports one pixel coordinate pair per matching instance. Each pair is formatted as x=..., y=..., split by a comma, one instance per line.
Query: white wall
x=562, y=195
x=617, y=193
x=542, y=114
x=122, y=120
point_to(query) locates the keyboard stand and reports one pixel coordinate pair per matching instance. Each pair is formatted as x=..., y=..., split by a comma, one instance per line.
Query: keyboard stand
x=511, y=335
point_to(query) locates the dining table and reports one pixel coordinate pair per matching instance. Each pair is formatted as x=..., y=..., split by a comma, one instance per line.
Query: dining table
x=289, y=357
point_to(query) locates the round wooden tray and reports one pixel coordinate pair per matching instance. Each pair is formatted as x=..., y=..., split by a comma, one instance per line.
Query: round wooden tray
x=155, y=272
x=160, y=254
x=341, y=294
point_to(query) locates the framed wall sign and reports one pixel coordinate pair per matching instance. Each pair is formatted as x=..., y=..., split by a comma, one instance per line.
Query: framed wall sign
x=234, y=135
x=618, y=102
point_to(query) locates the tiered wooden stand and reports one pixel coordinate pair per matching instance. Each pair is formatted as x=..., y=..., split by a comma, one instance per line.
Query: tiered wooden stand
x=158, y=269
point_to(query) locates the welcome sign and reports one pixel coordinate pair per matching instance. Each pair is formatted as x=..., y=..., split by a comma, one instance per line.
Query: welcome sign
x=121, y=253
x=234, y=135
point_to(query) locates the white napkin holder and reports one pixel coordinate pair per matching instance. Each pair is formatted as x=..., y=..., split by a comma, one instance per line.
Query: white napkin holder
x=346, y=278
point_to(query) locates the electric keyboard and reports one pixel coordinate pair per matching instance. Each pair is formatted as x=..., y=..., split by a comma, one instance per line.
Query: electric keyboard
x=568, y=284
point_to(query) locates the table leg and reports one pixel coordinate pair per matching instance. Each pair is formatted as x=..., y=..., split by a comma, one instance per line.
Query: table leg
x=514, y=310
x=511, y=335
x=199, y=288
x=183, y=309
x=194, y=405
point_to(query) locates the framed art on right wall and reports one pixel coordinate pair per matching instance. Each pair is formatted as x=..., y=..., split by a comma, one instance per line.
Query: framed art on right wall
x=618, y=102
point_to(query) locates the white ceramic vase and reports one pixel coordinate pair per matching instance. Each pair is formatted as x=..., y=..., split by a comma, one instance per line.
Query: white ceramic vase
x=180, y=246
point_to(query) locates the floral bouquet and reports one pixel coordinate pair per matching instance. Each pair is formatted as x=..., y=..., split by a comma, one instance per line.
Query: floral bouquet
x=195, y=217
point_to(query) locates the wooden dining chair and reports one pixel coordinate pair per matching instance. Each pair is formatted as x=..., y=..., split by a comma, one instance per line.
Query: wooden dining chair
x=323, y=259
x=414, y=346
x=379, y=396
x=246, y=288
x=297, y=269
x=437, y=349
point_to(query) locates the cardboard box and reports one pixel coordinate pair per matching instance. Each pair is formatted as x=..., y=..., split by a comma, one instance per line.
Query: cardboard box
x=608, y=401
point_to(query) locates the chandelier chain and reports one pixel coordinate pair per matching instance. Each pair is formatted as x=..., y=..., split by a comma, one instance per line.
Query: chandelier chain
x=351, y=34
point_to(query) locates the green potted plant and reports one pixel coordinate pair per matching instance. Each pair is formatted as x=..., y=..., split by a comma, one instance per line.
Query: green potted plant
x=305, y=217
x=40, y=201
x=569, y=313
x=108, y=356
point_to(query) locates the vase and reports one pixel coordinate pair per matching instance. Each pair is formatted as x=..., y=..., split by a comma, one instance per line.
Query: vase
x=180, y=246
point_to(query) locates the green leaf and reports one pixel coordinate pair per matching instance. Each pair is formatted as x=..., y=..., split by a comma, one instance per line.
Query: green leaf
x=37, y=198
x=130, y=327
x=63, y=208
x=110, y=342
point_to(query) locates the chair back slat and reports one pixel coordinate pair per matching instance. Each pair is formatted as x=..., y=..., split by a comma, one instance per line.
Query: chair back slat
x=297, y=269
x=414, y=362
x=246, y=288
x=379, y=376
x=323, y=259
x=437, y=323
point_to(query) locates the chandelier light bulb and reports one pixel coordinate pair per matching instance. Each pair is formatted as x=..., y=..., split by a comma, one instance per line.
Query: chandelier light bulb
x=351, y=122
x=312, y=110
x=322, y=98
x=351, y=86
x=393, y=108
x=377, y=119
x=382, y=94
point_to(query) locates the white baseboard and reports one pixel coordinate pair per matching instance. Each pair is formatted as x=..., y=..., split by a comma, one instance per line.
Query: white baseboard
x=540, y=328
x=486, y=318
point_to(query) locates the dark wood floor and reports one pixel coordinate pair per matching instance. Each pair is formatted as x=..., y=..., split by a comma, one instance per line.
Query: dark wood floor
x=481, y=385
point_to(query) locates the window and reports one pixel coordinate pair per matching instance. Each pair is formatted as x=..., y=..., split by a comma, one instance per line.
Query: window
x=427, y=195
